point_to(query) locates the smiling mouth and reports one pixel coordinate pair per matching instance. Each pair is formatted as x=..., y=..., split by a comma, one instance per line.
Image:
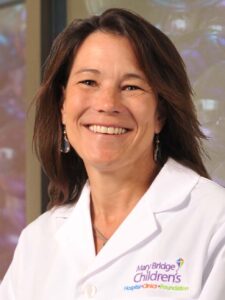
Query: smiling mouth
x=107, y=130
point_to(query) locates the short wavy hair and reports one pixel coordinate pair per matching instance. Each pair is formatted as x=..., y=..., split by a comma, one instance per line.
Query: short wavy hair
x=181, y=137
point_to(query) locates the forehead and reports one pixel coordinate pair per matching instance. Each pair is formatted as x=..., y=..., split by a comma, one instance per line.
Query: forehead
x=106, y=47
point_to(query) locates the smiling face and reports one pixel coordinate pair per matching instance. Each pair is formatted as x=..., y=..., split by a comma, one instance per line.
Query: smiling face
x=109, y=109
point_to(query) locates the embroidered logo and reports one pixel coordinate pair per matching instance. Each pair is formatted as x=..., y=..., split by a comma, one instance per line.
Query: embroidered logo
x=180, y=263
x=158, y=275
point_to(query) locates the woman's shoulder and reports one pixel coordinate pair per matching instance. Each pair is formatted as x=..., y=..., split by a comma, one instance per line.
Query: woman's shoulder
x=204, y=194
x=210, y=198
x=203, y=187
x=210, y=189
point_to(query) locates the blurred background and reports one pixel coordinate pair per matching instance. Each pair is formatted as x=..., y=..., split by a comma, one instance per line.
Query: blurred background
x=27, y=29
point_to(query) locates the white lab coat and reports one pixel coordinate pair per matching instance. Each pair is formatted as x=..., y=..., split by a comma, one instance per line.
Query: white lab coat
x=171, y=246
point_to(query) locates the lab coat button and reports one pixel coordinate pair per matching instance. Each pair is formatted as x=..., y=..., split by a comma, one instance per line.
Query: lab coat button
x=90, y=290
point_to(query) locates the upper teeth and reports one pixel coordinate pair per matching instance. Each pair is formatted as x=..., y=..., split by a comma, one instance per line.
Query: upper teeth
x=107, y=130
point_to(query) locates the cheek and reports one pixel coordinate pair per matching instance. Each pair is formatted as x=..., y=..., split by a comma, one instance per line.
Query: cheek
x=72, y=109
x=144, y=105
x=145, y=115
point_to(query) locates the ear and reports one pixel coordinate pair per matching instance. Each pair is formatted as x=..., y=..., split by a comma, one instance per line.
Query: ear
x=160, y=119
x=63, y=106
x=159, y=122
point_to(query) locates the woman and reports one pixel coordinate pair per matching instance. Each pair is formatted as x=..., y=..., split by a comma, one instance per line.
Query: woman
x=133, y=215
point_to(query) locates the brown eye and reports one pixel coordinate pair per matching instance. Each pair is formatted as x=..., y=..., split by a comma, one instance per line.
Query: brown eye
x=131, y=88
x=88, y=82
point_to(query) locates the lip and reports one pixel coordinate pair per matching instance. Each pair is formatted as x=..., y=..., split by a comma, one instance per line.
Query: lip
x=107, y=129
x=113, y=125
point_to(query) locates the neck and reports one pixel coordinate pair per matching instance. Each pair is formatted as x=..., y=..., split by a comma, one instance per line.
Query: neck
x=114, y=194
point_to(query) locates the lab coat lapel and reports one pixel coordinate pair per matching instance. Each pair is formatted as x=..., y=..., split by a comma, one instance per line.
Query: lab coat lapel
x=139, y=225
x=75, y=236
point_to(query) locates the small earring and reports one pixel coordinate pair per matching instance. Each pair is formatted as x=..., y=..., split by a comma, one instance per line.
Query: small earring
x=65, y=145
x=157, y=150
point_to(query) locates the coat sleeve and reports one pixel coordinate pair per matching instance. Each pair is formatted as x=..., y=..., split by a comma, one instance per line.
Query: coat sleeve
x=214, y=277
x=6, y=290
x=20, y=280
x=10, y=283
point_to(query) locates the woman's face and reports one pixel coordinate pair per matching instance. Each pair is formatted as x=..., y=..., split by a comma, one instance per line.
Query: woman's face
x=109, y=110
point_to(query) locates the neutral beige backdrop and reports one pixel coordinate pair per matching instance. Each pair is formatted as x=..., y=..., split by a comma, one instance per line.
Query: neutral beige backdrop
x=33, y=56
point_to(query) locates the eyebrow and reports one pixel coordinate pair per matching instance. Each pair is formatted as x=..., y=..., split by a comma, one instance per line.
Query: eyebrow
x=125, y=76
x=84, y=70
x=134, y=76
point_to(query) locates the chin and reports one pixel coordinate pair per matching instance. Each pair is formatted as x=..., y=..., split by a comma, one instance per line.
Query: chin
x=103, y=163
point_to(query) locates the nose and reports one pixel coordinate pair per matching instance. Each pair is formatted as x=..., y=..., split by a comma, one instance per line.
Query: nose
x=108, y=101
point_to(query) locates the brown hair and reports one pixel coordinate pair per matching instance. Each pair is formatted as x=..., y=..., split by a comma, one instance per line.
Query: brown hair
x=180, y=137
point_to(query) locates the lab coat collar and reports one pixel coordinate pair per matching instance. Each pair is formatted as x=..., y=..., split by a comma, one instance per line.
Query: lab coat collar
x=75, y=235
x=171, y=187
x=168, y=191
x=139, y=226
